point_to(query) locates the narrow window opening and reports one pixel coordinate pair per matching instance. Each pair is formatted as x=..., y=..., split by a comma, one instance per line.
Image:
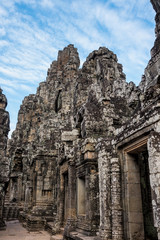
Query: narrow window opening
x=58, y=101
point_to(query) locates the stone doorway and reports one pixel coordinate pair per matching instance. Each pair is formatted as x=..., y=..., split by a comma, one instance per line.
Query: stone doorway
x=138, y=214
x=149, y=230
x=66, y=200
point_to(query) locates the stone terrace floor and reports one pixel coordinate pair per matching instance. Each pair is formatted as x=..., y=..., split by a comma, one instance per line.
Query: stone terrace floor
x=15, y=231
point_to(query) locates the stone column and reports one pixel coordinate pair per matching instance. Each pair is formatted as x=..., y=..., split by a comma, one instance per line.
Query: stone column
x=104, y=192
x=4, y=162
x=39, y=188
x=27, y=196
x=117, y=225
x=154, y=168
x=70, y=226
x=20, y=191
x=93, y=198
x=2, y=195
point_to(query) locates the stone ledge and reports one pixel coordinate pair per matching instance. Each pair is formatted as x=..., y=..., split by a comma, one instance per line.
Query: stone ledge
x=69, y=135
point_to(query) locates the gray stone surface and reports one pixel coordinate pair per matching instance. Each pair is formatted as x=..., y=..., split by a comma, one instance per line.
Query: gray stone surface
x=4, y=161
x=85, y=152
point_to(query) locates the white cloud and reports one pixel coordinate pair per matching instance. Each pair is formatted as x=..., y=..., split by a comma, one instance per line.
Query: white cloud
x=2, y=32
x=47, y=3
x=27, y=88
x=9, y=90
x=12, y=86
x=3, y=12
x=3, y=43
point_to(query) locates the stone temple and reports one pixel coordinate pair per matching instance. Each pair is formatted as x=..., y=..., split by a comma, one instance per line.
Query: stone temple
x=84, y=159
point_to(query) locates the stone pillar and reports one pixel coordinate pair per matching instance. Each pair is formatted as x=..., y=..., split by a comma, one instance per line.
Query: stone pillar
x=39, y=187
x=70, y=226
x=20, y=191
x=104, y=192
x=2, y=195
x=72, y=190
x=4, y=163
x=154, y=168
x=27, y=196
x=117, y=225
x=93, y=198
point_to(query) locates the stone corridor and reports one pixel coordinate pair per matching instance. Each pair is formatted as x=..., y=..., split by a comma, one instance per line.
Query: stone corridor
x=15, y=231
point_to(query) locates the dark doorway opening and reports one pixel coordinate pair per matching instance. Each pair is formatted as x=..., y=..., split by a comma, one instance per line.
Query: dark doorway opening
x=66, y=196
x=138, y=212
x=149, y=229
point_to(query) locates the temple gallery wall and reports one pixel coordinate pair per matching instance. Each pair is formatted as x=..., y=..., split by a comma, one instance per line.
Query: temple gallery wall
x=84, y=159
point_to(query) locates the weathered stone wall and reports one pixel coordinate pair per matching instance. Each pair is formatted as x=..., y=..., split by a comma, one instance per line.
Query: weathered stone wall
x=4, y=161
x=36, y=144
x=156, y=6
x=154, y=166
x=66, y=132
x=136, y=138
x=76, y=142
x=56, y=136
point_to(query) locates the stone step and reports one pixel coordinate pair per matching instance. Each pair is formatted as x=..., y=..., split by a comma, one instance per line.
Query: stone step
x=48, y=227
x=10, y=212
x=7, y=198
x=80, y=236
x=57, y=237
x=61, y=230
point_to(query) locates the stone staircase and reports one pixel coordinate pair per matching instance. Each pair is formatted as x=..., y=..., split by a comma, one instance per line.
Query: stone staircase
x=10, y=211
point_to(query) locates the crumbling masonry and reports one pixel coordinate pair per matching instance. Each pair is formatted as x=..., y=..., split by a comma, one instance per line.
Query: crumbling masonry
x=85, y=155
x=4, y=162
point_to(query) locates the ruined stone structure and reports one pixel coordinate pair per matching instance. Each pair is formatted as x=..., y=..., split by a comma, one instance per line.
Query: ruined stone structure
x=4, y=162
x=85, y=155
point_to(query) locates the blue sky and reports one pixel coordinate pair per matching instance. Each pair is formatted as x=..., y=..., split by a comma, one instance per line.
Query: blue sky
x=32, y=32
